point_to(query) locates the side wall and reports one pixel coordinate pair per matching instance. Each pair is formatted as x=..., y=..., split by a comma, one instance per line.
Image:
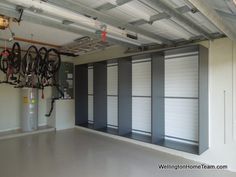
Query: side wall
x=10, y=107
x=10, y=104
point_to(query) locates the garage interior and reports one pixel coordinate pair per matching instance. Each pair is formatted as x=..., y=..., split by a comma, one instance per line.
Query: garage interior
x=108, y=88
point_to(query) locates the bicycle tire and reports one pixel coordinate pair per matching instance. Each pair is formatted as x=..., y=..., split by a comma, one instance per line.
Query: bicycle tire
x=29, y=62
x=53, y=65
x=4, y=62
x=15, y=59
x=42, y=67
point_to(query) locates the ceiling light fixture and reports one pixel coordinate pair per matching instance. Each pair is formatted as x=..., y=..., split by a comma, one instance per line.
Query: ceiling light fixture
x=4, y=22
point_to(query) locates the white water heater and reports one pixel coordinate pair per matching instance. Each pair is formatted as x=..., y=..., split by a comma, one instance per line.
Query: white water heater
x=29, y=111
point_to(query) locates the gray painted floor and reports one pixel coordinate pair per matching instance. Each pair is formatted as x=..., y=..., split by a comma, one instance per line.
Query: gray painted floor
x=76, y=153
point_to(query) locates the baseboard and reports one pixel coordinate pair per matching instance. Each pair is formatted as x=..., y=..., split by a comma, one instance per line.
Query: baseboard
x=42, y=129
x=10, y=129
x=18, y=128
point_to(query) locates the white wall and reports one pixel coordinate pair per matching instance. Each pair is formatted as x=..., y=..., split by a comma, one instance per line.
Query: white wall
x=10, y=106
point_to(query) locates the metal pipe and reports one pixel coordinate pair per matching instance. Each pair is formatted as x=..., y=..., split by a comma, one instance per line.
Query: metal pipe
x=31, y=42
x=35, y=42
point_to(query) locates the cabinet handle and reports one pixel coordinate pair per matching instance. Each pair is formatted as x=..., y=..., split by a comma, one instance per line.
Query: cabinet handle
x=224, y=117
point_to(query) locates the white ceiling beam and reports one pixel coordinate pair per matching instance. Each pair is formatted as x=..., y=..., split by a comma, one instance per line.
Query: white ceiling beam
x=106, y=6
x=78, y=7
x=226, y=15
x=121, y=2
x=139, y=22
x=212, y=15
x=176, y=14
x=160, y=16
x=55, y=23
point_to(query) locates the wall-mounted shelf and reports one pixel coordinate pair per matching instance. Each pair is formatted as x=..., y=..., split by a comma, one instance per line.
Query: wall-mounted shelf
x=109, y=130
x=87, y=125
x=185, y=147
x=139, y=137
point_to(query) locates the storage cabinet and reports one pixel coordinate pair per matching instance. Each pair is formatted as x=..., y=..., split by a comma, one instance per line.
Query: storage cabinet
x=159, y=98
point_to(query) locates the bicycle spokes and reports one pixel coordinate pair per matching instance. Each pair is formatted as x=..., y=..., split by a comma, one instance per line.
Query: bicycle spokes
x=36, y=69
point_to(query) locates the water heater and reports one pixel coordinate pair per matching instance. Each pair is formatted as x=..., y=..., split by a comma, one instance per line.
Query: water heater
x=29, y=111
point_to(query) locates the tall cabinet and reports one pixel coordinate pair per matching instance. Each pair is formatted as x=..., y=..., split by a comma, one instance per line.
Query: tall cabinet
x=176, y=83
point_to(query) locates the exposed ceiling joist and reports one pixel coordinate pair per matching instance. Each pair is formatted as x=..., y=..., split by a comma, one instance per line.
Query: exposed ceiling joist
x=82, y=9
x=160, y=16
x=121, y=2
x=185, y=9
x=139, y=22
x=212, y=15
x=106, y=6
x=43, y=20
x=226, y=15
x=176, y=14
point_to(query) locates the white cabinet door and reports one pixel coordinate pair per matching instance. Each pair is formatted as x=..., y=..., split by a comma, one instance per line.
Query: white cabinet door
x=90, y=94
x=181, y=97
x=141, y=100
x=112, y=97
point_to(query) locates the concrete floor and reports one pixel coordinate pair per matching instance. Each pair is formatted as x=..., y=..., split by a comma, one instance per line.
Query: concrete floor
x=77, y=153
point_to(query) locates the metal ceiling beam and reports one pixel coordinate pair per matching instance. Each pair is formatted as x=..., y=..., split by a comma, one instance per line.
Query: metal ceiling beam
x=185, y=9
x=175, y=13
x=212, y=15
x=121, y=2
x=158, y=17
x=226, y=15
x=139, y=22
x=83, y=9
x=106, y=6
x=162, y=15
x=49, y=22
x=109, y=6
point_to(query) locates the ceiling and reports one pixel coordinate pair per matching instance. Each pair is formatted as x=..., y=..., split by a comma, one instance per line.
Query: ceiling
x=133, y=23
x=37, y=32
x=227, y=10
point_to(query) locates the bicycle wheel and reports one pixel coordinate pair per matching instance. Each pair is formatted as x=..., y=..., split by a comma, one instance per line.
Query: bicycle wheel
x=4, y=60
x=42, y=67
x=53, y=61
x=30, y=60
x=15, y=59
